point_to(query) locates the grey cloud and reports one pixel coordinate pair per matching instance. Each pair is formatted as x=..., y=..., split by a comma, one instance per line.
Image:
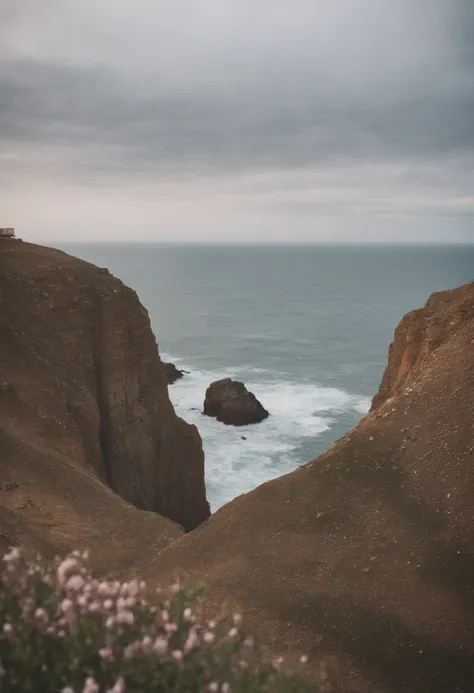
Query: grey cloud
x=225, y=100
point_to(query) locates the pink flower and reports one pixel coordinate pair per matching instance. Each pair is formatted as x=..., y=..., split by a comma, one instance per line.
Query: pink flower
x=187, y=614
x=213, y=687
x=248, y=642
x=125, y=617
x=209, y=637
x=67, y=568
x=178, y=655
x=13, y=556
x=67, y=606
x=7, y=628
x=107, y=653
x=75, y=583
x=225, y=688
x=233, y=632
x=67, y=689
x=191, y=641
x=303, y=659
x=91, y=686
x=161, y=645
x=41, y=615
x=108, y=604
x=147, y=644
x=237, y=618
x=118, y=687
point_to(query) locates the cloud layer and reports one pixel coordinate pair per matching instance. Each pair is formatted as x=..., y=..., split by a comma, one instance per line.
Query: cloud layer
x=371, y=101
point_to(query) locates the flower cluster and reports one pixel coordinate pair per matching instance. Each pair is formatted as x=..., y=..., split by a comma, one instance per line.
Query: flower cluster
x=62, y=630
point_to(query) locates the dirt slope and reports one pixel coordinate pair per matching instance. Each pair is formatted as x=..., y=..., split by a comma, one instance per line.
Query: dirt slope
x=365, y=556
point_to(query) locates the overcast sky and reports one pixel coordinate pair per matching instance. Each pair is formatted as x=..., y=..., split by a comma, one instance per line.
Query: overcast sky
x=225, y=120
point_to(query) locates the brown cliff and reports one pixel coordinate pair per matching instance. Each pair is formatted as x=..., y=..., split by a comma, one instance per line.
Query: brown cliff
x=81, y=382
x=364, y=558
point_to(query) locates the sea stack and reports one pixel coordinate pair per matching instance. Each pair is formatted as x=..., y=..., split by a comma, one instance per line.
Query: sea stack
x=230, y=402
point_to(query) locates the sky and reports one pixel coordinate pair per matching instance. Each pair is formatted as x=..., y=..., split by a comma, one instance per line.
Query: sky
x=237, y=120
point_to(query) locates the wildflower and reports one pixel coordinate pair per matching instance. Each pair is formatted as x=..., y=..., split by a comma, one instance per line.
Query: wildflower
x=67, y=606
x=75, y=583
x=212, y=625
x=237, y=618
x=125, y=617
x=107, y=653
x=303, y=659
x=171, y=627
x=213, y=687
x=225, y=688
x=67, y=568
x=164, y=615
x=248, y=642
x=118, y=687
x=110, y=623
x=41, y=615
x=178, y=655
x=94, y=607
x=277, y=661
x=209, y=637
x=187, y=614
x=103, y=589
x=147, y=644
x=233, y=632
x=13, y=556
x=108, y=604
x=191, y=641
x=7, y=628
x=160, y=645
x=91, y=686
x=67, y=689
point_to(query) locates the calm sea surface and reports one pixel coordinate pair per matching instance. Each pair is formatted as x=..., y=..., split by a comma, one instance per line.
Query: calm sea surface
x=306, y=328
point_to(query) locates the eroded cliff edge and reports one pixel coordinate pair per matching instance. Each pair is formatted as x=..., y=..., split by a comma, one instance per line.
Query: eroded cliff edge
x=81, y=379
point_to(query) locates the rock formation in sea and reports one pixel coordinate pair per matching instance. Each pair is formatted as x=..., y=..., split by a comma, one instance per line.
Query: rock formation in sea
x=84, y=405
x=364, y=557
x=230, y=402
x=172, y=373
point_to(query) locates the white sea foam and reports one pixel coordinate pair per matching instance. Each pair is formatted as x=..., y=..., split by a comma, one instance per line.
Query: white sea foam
x=300, y=411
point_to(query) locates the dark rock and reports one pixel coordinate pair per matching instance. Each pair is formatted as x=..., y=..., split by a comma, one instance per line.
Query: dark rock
x=230, y=402
x=244, y=437
x=172, y=373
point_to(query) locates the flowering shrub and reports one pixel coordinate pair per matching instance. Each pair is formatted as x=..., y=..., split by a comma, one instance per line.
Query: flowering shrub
x=61, y=631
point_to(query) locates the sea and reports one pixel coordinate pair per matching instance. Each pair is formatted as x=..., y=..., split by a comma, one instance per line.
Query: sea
x=306, y=328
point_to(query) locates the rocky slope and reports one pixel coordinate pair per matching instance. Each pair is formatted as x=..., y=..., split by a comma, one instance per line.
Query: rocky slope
x=364, y=558
x=84, y=405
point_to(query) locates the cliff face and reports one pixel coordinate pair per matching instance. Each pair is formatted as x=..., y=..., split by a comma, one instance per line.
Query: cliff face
x=81, y=378
x=419, y=334
x=364, y=557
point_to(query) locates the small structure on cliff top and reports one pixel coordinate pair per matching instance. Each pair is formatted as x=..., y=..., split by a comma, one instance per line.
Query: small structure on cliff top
x=7, y=232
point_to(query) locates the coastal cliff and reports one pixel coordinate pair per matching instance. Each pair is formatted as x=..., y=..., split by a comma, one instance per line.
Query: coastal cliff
x=81, y=382
x=364, y=557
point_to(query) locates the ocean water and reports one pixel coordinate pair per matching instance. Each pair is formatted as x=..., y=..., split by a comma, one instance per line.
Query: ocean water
x=306, y=328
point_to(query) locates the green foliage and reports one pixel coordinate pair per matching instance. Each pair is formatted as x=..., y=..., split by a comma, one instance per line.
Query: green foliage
x=61, y=631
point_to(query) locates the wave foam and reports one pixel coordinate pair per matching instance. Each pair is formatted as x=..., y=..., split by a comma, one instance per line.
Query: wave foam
x=299, y=413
